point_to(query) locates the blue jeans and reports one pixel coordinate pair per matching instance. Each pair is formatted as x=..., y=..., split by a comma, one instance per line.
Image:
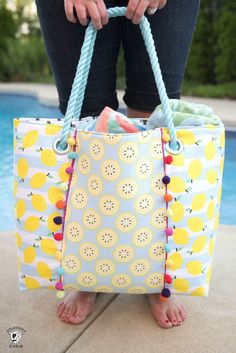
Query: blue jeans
x=172, y=30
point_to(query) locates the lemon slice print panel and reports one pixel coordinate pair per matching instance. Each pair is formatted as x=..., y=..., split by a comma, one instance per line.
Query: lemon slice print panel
x=128, y=152
x=127, y=188
x=156, y=149
x=126, y=222
x=84, y=164
x=104, y=289
x=105, y=267
x=91, y=219
x=96, y=149
x=123, y=253
x=107, y=237
x=74, y=232
x=140, y=267
x=158, y=218
x=110, y=170
x=121, y=280
x=79, y=198
x=87, y=279
x=112, y=139
x=71, y=264
x=144, y=168
x=109, y=205
x=137, y=290
x=95, y=185
x=155, y=280
x=142, y=236
x=88, y=251
x=156, y=251
x=157, y=185
x=144, y=204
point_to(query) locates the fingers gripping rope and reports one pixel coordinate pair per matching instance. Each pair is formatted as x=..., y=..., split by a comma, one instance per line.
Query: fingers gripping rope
x=82, y=71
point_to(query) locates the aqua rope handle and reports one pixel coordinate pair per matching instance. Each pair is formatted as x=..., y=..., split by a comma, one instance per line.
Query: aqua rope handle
x=78, y=88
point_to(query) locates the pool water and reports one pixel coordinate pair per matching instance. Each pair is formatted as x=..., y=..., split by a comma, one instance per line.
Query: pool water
x=26, y=106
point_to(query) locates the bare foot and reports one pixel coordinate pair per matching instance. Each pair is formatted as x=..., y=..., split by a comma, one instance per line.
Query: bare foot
x=168, y=313
x=76, y=307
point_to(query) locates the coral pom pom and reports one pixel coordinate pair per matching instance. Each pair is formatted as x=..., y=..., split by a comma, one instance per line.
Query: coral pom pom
x=168, y=197
x=60, y=204
x=163, y=299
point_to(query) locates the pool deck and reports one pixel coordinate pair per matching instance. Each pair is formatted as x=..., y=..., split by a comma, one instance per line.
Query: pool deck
x=47, y=94
x=121, y=323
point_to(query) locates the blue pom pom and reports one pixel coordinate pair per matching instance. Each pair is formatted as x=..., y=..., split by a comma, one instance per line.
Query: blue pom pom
x=167, y=248
x=166, y=179
x=57, y=220
x=166, y=292
x=60, y=271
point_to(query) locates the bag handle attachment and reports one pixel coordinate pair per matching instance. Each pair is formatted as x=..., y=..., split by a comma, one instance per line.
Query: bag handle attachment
x=80, y=81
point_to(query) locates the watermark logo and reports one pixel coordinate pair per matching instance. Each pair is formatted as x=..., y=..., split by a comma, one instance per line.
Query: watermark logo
x=16, y=333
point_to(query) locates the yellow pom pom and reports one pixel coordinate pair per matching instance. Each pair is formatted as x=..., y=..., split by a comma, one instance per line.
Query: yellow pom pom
x=71, y=141
x=60, y=294
x=169, y=213
x=169, y=263
x=166, y=137
x=58, y=255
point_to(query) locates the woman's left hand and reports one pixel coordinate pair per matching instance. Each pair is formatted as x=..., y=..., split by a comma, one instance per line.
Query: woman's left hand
x=136, y=8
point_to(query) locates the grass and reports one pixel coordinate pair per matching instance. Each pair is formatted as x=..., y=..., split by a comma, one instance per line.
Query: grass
x=221, y=90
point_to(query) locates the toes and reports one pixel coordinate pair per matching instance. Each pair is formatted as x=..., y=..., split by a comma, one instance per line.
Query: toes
x=64, y=314
x=178, y=318
x=182, y=313
x=70, y=313
x=77, y=318
x=163, y=320
x=61, y=309
x=172, y=317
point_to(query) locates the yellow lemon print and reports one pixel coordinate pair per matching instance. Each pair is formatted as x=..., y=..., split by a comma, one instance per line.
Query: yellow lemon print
x=194, y=169
x=88, y=251
x=64, y=177
x=177, y=211
x=127, y=188
x=29, y=255
x=18, y=240
x=91, y=219
x=211, y=209
x=18, y=264
x=211, y=176
x=199, y=244
x=156, y=148
x=20, y=209
x=48, y=246
x=121, y=280
x=74, y=232
x=142, y=236
x=30, y=139
x=123, y=253
x=222, y=164
x=137, y=290
x=110, y=170
x=48, y=157
x=144, y=204
x=44, y=270
x=50, y=223
x=198, y=202
x=71, y=264
x=109, y=205
x=16, y=123
x=194, y=267
x=39, y=203
x=52, y=129
x=107, y=237
x=156, y=251
x=68, y=212
x=195, y=224
x=103, y=289
x=222, y=140
x=87, y=279
x=105, y=267
x=78, y=144
x=32, y=224
x=144, y=136
x=84, y=164
x=112, y=139
x=155, y=280
x=140, y=267
x=85, y=135
x=177, y=185
x=79, y=198
x=126, y=222
x=31, y=283
x=144, y=168
x=15, y=187
x=74, y=179
x=180, y=236
x=211, y=246
x=209, y=273
x=38, y=180
x=181, y=285
x=96, y=149
x=95, y=185
x=178, y=160
x=176, y=259
x=216, y=221
x=71, y=286
x=187, y=137
x=210, y=150
x=22, y=168
x=219, y=192
x=128, y=152
x=200, y=291
x=158, y=218
x=157, y=185
x=55, y=194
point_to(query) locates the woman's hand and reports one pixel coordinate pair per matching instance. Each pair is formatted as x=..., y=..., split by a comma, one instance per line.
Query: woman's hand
x=136, y=8
x=95, y=9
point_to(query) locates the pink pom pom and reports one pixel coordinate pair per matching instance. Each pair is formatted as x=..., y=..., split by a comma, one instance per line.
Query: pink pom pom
x=59, y=285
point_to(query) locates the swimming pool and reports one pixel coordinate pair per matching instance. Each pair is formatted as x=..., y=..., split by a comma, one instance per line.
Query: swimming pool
x=17, y=105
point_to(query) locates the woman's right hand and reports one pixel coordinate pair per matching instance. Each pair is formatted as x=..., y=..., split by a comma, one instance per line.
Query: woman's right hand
x=96, y=9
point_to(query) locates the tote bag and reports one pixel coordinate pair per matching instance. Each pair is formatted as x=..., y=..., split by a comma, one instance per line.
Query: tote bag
x=127, y=213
